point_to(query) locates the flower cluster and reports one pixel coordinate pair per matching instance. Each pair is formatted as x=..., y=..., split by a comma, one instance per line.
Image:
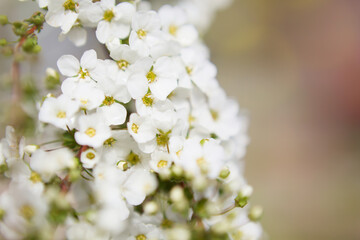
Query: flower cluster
x=150, y=142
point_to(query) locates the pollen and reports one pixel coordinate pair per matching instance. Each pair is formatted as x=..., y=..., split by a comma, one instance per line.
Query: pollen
x=122, y=64
x=70, y=5
x=27, y=212
x=173, y=29
x=90, y=155
x=162, y=164
x=108, y=15
x=61, y=114
x=191, y=119
x=134, y=128
x=141, y=33
x=151, y=76
x=91, y=132
x=141, y=237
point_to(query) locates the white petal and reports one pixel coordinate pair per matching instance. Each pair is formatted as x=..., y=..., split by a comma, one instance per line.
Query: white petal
x=89, y=59
x=114, y=114
x=68, y=65
x=103, y=31
x=137, y=86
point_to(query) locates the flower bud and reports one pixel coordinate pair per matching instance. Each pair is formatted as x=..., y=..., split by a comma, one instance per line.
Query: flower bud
x=225, y=172
x=177, y=194
x=151, y=208
x=123, y=165
x=29, y=44
x=246, y=191
x=255, y=213
x=200, y=183
x=3, y=20
x=20, y=28
x=37, y=19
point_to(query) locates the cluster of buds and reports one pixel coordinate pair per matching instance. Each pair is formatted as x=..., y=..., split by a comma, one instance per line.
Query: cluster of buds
x=150, y=144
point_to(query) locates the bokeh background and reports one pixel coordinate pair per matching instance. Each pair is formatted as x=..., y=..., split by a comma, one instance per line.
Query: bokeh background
x=295, y=67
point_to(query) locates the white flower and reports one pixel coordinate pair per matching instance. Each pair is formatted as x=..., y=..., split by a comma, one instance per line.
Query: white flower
x=159, y=77
x=115, y=21
x=63, y=13
x=50, y=163
x=206, y=157
x=160, y=161
x=145, y=31
x=93, y=130
x=71, y=67
x=174, y=22
x=89, y=158
x=58, y=111
x=87, y=96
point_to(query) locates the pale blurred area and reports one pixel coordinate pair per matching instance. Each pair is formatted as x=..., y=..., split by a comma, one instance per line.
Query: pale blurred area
x=294, y=65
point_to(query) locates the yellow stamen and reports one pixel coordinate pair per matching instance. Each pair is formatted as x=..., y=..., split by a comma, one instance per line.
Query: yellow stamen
x=90, y=132
x=141, y=33
x=162, y=164
x=61, y=114
x=134, y=128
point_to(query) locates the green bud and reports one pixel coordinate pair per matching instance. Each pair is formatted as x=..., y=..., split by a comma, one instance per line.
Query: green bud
x=241, y=201
x=3, y=20
x=224, y=173
x=37, y=19
x=2, y=214
x=20, y=28
x=36, y=49
x=29, y=44
x=3, y=42
x=52, y=79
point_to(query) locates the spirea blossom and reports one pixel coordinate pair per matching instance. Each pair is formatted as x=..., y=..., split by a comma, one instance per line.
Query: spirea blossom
x=149, y=144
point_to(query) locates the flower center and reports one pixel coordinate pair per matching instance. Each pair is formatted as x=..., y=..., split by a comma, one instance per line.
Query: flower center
x=109, y=142
x=162, y=164
x=109, y=100
x=134, y=128
x=141, y=237
x=90, y=155
x=162, y=138
x=35, y=177
x=173, y=29
x=148, y=100
x=133, y=158
x=141, y=33
x=61, y=114
x=83, y=73
x=90, y=132
x=108, y=15
x=122, y=64
x=83, y=101
x=70, y=5
x=151, y=76
x=189, y=70
x=27, y=212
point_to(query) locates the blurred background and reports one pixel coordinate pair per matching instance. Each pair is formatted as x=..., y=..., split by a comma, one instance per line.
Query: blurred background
x=295, y=67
